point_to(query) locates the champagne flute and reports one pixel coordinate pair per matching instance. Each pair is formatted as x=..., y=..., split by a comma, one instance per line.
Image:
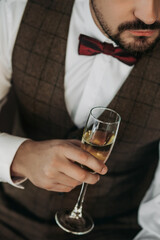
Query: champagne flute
x=98, y=138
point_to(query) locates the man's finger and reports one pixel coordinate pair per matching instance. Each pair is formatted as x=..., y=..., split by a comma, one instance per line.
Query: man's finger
x=85, y=158
x=79, y=174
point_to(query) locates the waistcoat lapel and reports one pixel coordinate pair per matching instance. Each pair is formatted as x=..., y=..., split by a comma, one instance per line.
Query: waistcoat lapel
x=38, y=68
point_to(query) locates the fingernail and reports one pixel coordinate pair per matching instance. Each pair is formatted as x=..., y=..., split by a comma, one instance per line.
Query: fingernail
x=104, y=170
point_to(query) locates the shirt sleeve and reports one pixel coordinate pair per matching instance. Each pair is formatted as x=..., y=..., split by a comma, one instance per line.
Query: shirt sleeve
x=149, y=211
x=145, y=235
x=8, y=147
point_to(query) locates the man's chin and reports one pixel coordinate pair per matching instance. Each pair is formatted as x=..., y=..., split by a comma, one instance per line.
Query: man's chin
x=139, y=45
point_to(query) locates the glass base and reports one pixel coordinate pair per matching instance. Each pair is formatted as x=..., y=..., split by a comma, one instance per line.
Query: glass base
x=78, y=226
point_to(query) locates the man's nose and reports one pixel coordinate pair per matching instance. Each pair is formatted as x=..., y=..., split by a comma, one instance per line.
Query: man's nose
x=148, y=11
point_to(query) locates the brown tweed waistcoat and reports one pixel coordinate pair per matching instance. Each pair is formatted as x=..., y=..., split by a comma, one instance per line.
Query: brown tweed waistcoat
x=38, y=72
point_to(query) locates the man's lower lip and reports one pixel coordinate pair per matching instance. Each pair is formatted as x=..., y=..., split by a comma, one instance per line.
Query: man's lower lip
x=145, y=33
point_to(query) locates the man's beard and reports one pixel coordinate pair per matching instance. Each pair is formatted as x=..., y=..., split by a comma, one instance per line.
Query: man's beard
x=140, y=44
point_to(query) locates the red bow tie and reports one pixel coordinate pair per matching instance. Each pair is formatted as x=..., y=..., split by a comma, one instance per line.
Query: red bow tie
x=90, y=46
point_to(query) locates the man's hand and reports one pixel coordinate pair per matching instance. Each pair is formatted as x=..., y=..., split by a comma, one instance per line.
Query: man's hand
x=52, y=164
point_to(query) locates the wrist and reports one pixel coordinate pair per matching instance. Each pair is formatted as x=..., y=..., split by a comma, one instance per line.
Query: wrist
x=18, y=166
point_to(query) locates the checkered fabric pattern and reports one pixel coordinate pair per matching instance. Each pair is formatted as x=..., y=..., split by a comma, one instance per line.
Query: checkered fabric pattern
x=38, y=70
x=38, y=74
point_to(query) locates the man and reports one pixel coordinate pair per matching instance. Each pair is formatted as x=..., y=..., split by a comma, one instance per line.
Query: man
x=38, y=62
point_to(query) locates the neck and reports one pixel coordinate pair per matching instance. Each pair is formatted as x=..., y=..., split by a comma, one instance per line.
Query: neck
x=95, y=17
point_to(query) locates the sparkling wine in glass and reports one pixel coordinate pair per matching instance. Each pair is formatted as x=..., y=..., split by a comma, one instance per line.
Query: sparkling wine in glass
x=98, y=139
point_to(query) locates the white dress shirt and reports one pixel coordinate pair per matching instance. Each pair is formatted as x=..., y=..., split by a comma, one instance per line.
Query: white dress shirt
x=89, y=81
x=10, y=15
x=149, y=211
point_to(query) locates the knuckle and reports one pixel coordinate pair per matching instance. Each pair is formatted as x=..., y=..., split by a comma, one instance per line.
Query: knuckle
x=47, y=186
x=54, y=163
x=76, y=184
x=47, y=172
x=62, y=146
x=67, y=189
x=94, y=179
x=100, y=169
x=50, y=173
x=84, y=157
x=82, y=177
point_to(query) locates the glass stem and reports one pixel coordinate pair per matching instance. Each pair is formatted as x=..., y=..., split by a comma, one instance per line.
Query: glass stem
x=77, y=211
